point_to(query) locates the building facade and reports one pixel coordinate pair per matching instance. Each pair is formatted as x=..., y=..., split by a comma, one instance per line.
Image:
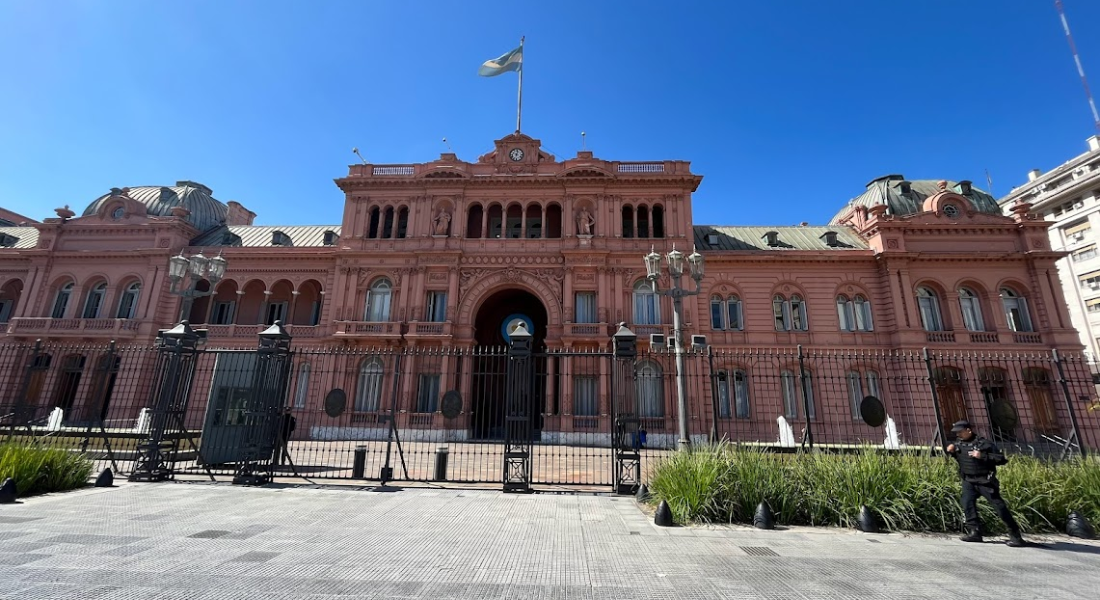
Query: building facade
x=446, y=255
x=1069, y=197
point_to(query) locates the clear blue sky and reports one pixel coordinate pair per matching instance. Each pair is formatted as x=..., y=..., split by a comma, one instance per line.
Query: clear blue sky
x=787, y=108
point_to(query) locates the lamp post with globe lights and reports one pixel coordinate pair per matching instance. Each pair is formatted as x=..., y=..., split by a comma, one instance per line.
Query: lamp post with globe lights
x=185, y=274
x=675, y=264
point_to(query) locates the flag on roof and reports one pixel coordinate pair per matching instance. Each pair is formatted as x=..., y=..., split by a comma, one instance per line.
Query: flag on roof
x=510, y=61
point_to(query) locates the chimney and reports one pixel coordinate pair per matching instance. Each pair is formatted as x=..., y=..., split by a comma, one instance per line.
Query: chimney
x=1033, y=174
x=830, y=239
x=1094, y=143
x=238, y=215
x=772, y=237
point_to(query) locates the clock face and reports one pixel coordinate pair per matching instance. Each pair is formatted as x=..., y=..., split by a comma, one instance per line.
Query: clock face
x=516, y=154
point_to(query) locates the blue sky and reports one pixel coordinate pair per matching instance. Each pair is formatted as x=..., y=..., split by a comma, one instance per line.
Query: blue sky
x=787, y=108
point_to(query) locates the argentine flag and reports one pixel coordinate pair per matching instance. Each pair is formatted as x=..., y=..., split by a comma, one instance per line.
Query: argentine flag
x=511, y=61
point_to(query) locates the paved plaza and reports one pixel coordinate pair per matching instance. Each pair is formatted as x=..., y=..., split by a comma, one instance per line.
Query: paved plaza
x=218, y=541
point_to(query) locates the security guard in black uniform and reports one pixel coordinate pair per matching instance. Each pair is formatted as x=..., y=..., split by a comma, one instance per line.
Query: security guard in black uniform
x=978, y=460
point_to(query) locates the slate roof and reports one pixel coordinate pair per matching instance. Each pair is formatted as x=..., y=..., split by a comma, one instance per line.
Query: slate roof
x=261, y=236
x=25, y=237
x=886, y=190
x=206, y=211
x=790, y=238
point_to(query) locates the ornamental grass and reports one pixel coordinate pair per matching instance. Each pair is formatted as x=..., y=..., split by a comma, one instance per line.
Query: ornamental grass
x=40, y=470
x=907, y=492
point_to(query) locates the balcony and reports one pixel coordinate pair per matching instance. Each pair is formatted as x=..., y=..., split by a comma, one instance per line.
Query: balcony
x=429, y=329
x=252, y=331
x=1027, y=338
x=368, y=329
x=647, y=330
x=940, y=337
x=983, y=337
x=117, y=328
x=594, y=331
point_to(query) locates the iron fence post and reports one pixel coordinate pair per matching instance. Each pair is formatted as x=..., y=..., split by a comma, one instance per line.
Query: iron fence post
x=713, y=397
x=809, y=438
x=517, y=419
x=1069, y=402
x=177, y=348
x=625, y=432
x=940, y=433
x=266, y=403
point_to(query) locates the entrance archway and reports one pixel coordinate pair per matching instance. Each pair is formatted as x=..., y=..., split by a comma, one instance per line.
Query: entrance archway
x=496, y=313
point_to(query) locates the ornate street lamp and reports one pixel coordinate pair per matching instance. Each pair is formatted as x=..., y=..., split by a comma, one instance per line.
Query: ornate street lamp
x=675, y=262
x=185, y=273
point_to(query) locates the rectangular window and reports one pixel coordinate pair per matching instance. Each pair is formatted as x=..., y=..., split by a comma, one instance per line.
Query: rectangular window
x=427, y=393
x=585, y=402
x=276, y=311
x=5, y=310
x=723, y=395
x=437, y=307
x=793, y=389
x=645, y=308
x=779, y=311
x=1085, y=253
x=741, y=394
x=855, y=393
x=734, y=312
x=223, y=313
x=586, y=307
x=315, y=313
x=716, y=314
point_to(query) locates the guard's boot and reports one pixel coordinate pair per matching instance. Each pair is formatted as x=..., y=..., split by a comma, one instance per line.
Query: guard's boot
x=1015, y=540
x=972, y=535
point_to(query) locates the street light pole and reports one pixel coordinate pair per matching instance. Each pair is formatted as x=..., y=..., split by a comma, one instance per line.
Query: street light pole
x=185, y=273
x=675, y=264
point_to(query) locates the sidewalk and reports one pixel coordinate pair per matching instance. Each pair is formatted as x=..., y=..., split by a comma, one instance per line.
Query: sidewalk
x=207, y=541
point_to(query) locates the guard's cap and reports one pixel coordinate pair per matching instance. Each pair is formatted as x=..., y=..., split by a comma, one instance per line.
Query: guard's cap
x=960, y=425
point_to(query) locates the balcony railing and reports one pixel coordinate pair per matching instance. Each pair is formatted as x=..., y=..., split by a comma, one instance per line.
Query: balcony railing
x=1027, y=338
x=393, y=170
x=429, y=328
x=586, y=329
x=251, y=331
x=941, y=337
x=368, y=328
x=647, y=330
x=105, y=327
x=982, y=337
x=643, y=167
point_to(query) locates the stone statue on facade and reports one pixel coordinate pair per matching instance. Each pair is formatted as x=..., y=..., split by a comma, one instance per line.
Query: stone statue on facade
x=442, y=222
x=585, y=222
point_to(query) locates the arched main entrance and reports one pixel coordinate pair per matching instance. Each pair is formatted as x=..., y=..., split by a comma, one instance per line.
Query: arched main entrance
x=495, y=316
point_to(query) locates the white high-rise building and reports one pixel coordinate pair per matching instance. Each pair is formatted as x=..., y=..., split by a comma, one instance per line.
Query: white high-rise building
x=1069, y=195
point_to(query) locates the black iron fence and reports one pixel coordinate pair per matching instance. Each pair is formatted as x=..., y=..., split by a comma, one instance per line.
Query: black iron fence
x=558, y=416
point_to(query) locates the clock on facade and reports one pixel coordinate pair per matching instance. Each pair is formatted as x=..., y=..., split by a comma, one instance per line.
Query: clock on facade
x=516, y=154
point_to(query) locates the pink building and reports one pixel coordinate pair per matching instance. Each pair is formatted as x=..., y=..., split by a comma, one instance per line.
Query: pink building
x=442, y=254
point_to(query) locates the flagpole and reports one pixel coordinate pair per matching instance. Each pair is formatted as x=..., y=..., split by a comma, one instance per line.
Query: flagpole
x=519, y=99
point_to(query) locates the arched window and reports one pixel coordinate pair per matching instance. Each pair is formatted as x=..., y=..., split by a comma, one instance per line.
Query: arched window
x=649, y=390
x=379, y=297
x=496, y=216
x=368, y=392
x=798, y=395
x=799, y=321
x=514, y=222
x=790, y=315
x=971, y=310
x=863, y=314
x=61, y=301
x=643, y=221
x=94, y=301
x=553, y=221
x=781, y=314
x=402, y=222
x=302, y=389
x=533, y=221
x=628, y=221
x=1019, y=319
x=733, y=385
x=845, y=313
x=647, y=307
x=861, y=385
x=474, y=216
x=725, y=313
x=929, y=304
x=658, y=222
x=387, y=222
x=372, y=229
x=127, y=304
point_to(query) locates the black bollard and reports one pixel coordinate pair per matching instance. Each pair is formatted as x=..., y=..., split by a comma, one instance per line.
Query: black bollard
x=7, y=491
x=1078, y=526
x=663, y=518
x=643, y=493
x=763, y=519
x=867, y=521
x=105, y=479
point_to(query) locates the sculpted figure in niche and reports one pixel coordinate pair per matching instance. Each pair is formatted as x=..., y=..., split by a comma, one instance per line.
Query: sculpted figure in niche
x=585, y=222
x=442, y=222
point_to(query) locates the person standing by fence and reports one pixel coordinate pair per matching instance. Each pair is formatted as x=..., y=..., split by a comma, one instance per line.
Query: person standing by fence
x=978, y=460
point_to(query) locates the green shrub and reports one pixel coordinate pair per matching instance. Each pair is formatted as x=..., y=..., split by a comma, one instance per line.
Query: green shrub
x=724, y=484
x=40, y=470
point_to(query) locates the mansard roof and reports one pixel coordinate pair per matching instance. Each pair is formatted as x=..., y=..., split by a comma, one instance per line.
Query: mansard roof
x=891, y=191
x=263, y=236
x=786, y=238
x=206, y=211
x=18, y=238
